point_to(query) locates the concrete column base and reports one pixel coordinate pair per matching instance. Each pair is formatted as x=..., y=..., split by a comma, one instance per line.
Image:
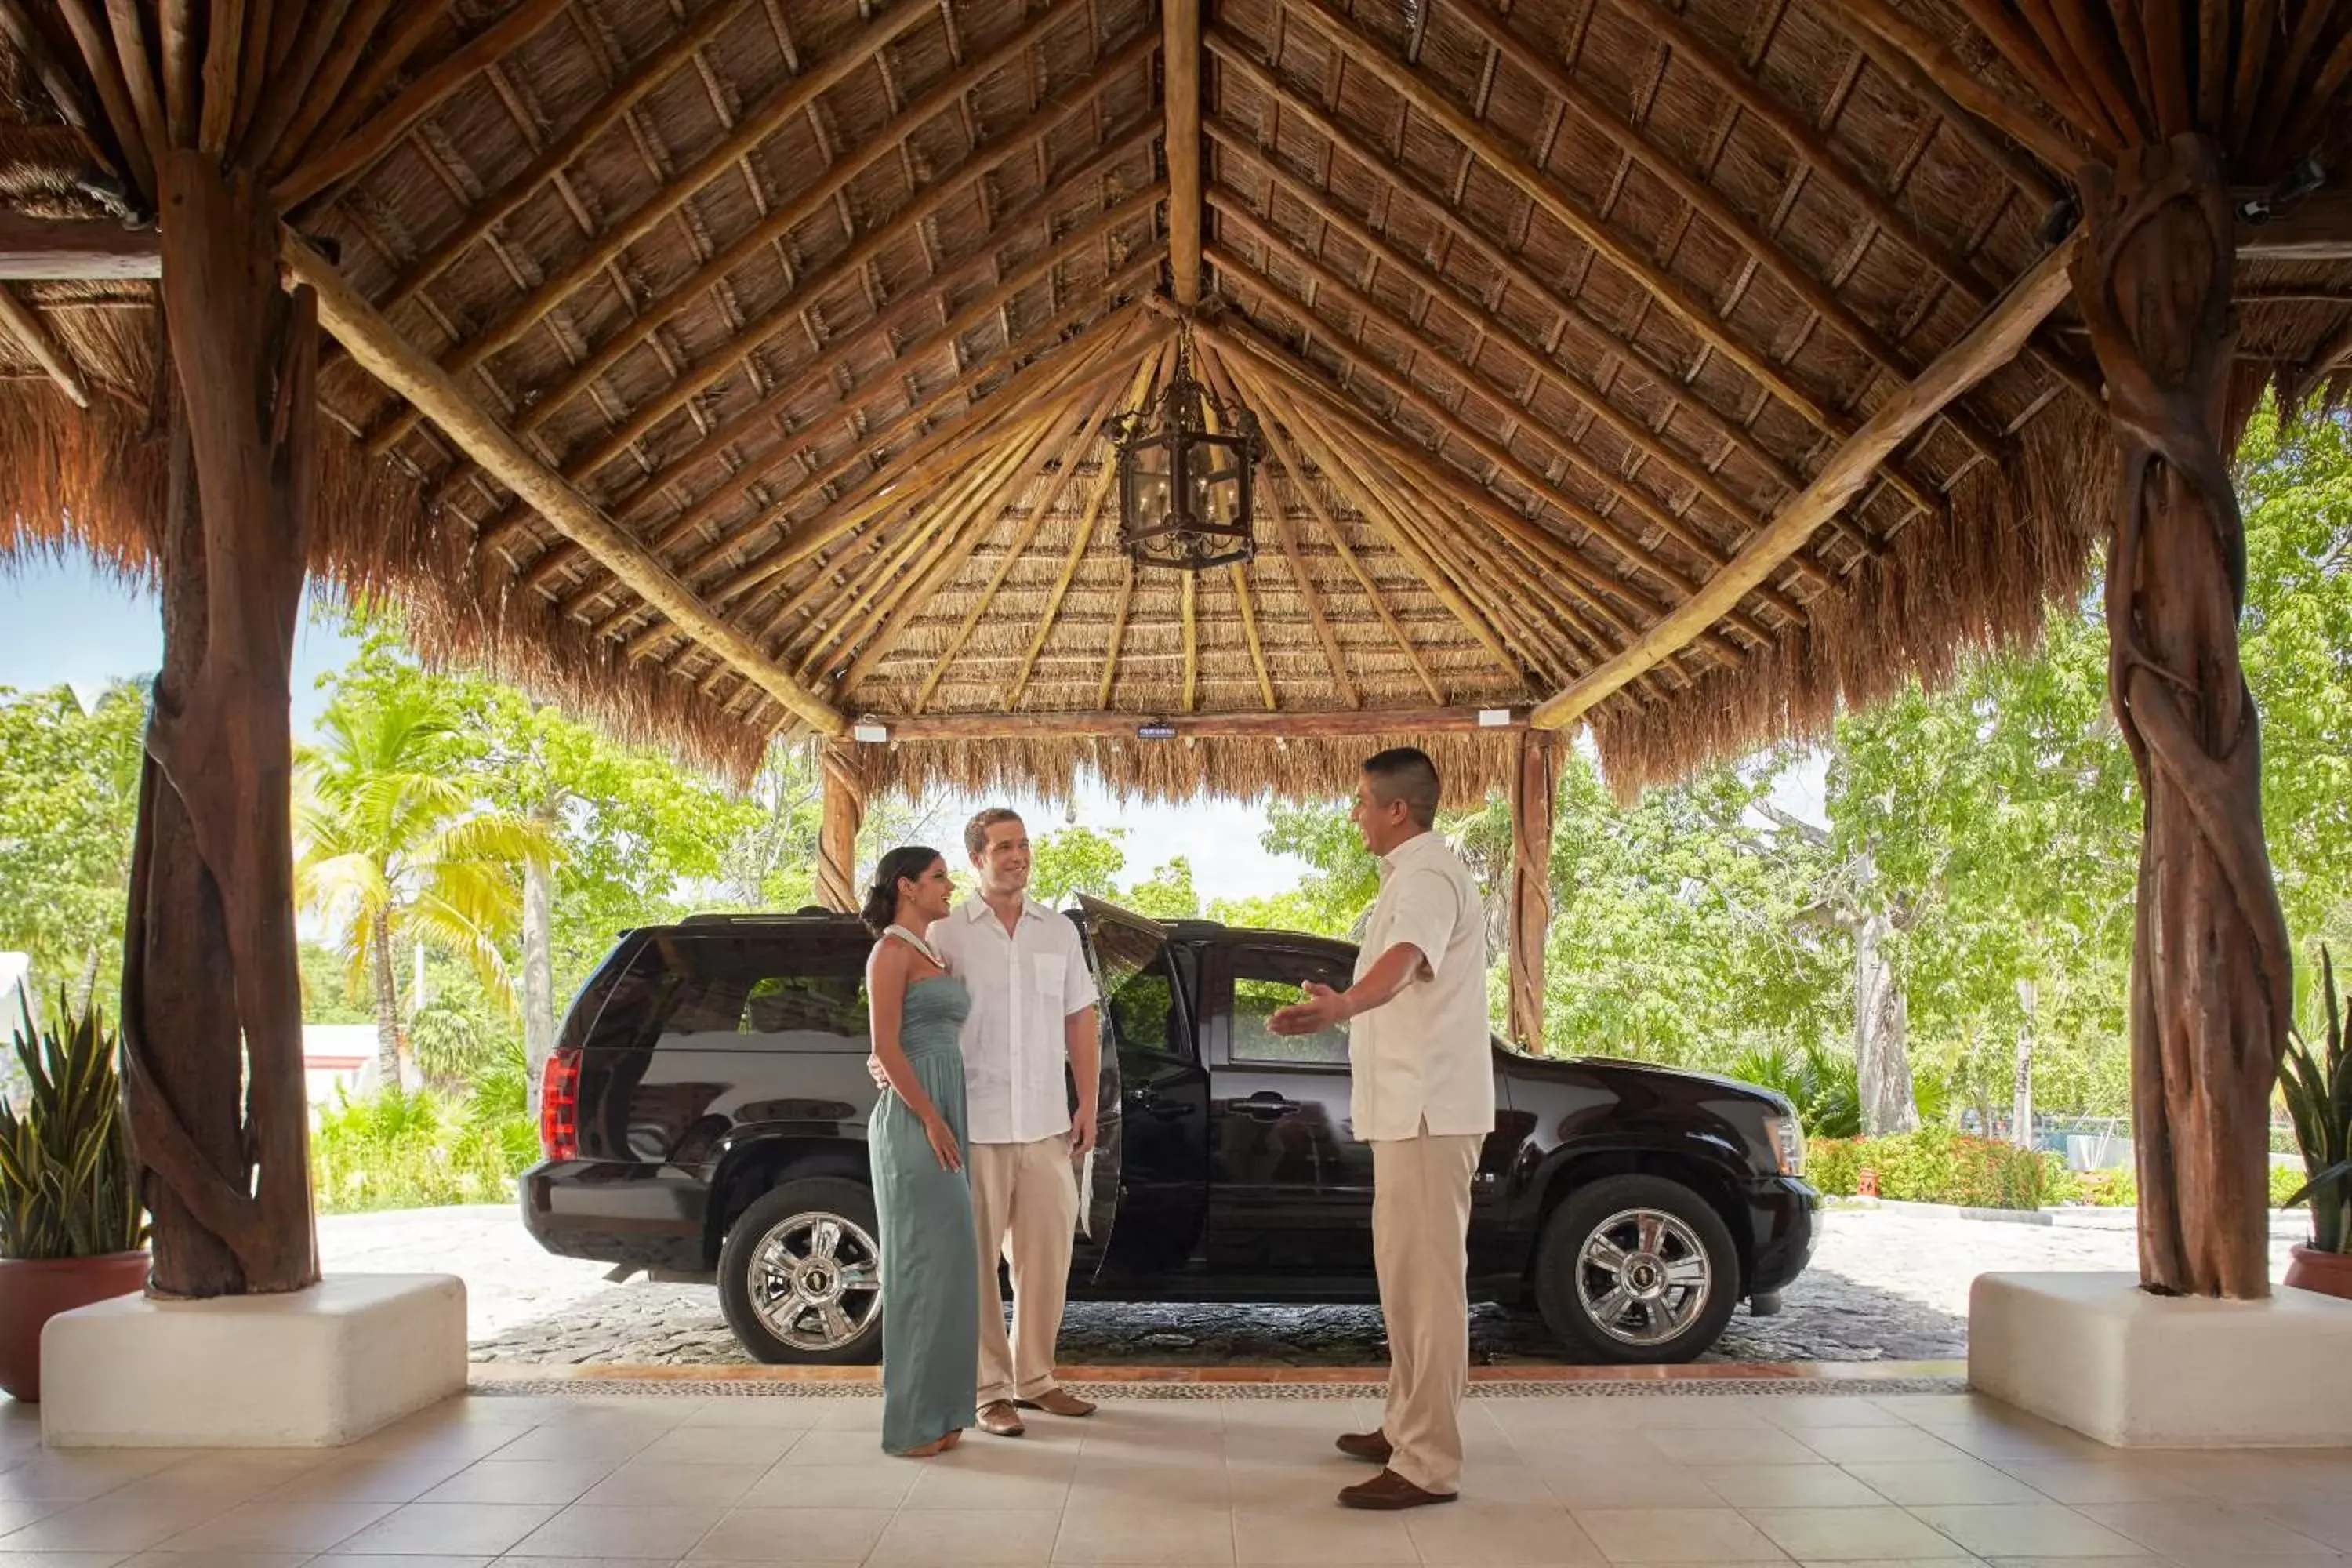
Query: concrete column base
x=311, y=1370
x=2093, y=1352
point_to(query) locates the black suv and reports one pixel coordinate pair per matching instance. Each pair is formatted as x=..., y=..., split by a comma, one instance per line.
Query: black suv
x=704, y=1112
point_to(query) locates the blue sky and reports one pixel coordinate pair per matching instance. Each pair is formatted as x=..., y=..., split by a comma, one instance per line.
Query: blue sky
x=64, y=621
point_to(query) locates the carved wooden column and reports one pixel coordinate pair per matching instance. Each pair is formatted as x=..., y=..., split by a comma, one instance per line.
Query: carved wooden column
x=1534, y=799
x=845, y=813
x=212, y=1008
x=2211, y=981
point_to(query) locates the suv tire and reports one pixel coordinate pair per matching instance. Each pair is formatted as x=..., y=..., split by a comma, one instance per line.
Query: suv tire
x=800, y=1275
x=1636, y=1268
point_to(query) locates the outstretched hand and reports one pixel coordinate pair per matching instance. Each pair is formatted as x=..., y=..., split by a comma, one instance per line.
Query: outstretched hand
x=1322, y=1009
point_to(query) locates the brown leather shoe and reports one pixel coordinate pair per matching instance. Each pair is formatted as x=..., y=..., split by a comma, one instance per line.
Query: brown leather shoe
x=1059, y=1401
x=1390, y=1491
x=1372, y=1448
x=999, y=1416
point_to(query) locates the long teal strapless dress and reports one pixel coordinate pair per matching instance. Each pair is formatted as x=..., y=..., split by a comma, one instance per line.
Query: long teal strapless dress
x=930, y=1256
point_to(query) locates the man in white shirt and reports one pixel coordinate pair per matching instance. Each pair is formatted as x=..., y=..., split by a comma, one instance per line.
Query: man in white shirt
x=1423, y=1097
x=1033, y=1008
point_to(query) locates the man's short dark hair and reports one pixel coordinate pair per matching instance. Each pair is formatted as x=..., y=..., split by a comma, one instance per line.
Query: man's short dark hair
x=975, y=832
x=1406, y=773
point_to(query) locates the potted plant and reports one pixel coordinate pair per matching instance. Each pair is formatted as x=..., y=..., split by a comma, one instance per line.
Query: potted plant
x=2318, y=1090
x=71, y=1229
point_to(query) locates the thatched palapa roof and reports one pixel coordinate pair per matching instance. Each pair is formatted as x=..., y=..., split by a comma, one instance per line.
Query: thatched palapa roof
x=1556, y=313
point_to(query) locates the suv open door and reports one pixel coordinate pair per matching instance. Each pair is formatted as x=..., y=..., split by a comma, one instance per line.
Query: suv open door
x=1119, y=945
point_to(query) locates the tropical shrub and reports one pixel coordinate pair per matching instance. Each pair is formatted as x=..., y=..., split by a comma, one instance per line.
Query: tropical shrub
x=400, y=1149
x=67, y=1189
x=1938, y=1165
x=1821, y=1084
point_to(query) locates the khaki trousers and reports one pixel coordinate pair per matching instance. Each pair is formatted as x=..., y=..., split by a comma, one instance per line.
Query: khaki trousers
x=1024, y=1204
x=1421, y=1249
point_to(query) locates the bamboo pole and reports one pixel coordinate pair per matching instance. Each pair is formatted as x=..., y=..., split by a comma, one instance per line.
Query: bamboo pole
x=1180, y=64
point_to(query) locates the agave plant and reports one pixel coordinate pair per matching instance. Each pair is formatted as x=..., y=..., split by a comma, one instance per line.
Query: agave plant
x=66, y=1183
x=2318, y=1089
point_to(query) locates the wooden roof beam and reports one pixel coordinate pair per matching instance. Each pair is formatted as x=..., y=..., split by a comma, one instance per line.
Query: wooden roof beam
x=1180, y=75
x=1290, y=724
x=1575, y=573
x=1295, y=106
x=789, y=102
x=17, y=319
x=33, y=249
x=1934, y=58
x=1494, y=453
x=377, y=348
x=1997, y=338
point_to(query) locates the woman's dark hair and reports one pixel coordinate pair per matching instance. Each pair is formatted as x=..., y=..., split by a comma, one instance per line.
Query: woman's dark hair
x=904, y=864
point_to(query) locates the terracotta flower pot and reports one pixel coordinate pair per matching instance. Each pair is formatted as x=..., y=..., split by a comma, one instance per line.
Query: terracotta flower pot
x=2329, y=1273
x=35, y=1290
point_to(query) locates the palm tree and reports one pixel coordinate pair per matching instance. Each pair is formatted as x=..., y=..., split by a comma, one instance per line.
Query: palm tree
x=390, y=849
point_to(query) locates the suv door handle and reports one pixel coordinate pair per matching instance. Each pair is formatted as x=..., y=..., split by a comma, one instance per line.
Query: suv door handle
x=1266, y=1106
x=1143, y=1099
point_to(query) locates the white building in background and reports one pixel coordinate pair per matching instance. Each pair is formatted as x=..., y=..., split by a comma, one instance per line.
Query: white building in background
x=337, y=1055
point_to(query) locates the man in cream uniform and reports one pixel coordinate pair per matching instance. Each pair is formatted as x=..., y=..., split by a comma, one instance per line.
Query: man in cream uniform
x=1424, y=1099
x=1033, y=1008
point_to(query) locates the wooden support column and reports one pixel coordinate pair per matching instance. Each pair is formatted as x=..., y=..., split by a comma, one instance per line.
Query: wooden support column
x=837, y=841
x=2211, y=981
x=1534, y=799
x=212, y=1002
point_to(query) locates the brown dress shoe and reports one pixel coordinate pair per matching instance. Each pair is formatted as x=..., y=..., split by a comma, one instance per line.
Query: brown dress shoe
x=999, y=1416
x=1058, y=1402
x=1372, y=1448
x=1387, y=1490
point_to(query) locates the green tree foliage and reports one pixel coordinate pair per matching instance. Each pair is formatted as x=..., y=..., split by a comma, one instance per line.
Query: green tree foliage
x=1167, y=894
x=1074, y=860
x=68, y=801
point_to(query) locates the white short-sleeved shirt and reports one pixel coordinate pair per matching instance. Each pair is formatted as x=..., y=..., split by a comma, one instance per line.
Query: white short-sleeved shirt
x=1023, y=984
x=1425, y=1054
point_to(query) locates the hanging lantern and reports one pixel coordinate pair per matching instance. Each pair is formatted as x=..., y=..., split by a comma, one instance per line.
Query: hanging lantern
x=1184, y=468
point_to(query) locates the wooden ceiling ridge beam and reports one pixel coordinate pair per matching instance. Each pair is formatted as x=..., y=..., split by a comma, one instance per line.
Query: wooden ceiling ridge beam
x=1655, y=512
x=1035, y=521
x=892, y=486
x=1179, y=57
x=1816, y=152
x=1339, y=723
x=1578, y=574
x=693, y=518
x=1697, y=315
x=1285, y=540
x=1496, y=454
x=904, y=483
x=40, y=249
x=1148, y=373
x=1996, y=338
x=1679, y=401
x=803, y=205
x=367, y=138
x=793, y=100
x=824, y=367
x=1818, y=295
x=380, y=350
x=1272, y=411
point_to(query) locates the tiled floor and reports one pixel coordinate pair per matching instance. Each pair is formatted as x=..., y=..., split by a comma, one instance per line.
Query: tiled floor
x=653, y=1482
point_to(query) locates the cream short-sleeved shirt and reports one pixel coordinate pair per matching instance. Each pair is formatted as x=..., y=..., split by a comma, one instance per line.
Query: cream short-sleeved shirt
x=1023, y=984
x=1426, y=1056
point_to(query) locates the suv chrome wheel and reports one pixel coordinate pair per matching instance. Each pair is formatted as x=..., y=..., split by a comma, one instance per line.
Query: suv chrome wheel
x=817, y=1282
x=1643, y=1277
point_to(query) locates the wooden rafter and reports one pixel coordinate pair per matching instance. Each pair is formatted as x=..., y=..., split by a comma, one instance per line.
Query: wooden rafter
x=1996, y=339
x=19, y=321
x=1238, y=575
x=792, y=101
x=1147, y=375
x=382, y=353
x=1270, y=410
x=1935, y=60
x=1118, y=640
x=1179, y=57
x=1188, y=600
x=1312, y=724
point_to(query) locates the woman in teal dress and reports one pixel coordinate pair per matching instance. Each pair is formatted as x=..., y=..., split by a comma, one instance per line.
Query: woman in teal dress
x=930, y=1256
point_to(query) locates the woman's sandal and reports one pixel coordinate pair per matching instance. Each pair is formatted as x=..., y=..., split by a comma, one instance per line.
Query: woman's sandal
x=935, y=1448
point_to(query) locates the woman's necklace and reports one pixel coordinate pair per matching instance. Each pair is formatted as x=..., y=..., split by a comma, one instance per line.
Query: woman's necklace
x=919, y=945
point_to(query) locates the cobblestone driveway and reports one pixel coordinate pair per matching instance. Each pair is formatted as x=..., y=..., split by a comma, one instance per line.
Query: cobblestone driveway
x=1883, y=1285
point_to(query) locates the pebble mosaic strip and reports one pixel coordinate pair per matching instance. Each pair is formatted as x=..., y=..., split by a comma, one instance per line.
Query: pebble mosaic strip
x=1596, y=1388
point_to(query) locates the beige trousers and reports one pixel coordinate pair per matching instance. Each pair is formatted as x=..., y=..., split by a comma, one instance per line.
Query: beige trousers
x=1421, y=1249
x=1024, y=1204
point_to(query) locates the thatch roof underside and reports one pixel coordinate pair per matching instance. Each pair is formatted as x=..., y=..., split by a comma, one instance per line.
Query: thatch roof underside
x=1546, y=307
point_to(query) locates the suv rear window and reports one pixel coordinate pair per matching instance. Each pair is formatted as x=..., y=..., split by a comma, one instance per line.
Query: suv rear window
x=768, y=991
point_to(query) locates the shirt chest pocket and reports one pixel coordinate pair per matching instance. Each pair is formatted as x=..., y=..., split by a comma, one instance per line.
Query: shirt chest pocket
x=1046, y=972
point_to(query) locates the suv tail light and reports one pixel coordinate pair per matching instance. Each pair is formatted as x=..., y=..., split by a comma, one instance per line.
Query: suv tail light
x=559, y=1106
